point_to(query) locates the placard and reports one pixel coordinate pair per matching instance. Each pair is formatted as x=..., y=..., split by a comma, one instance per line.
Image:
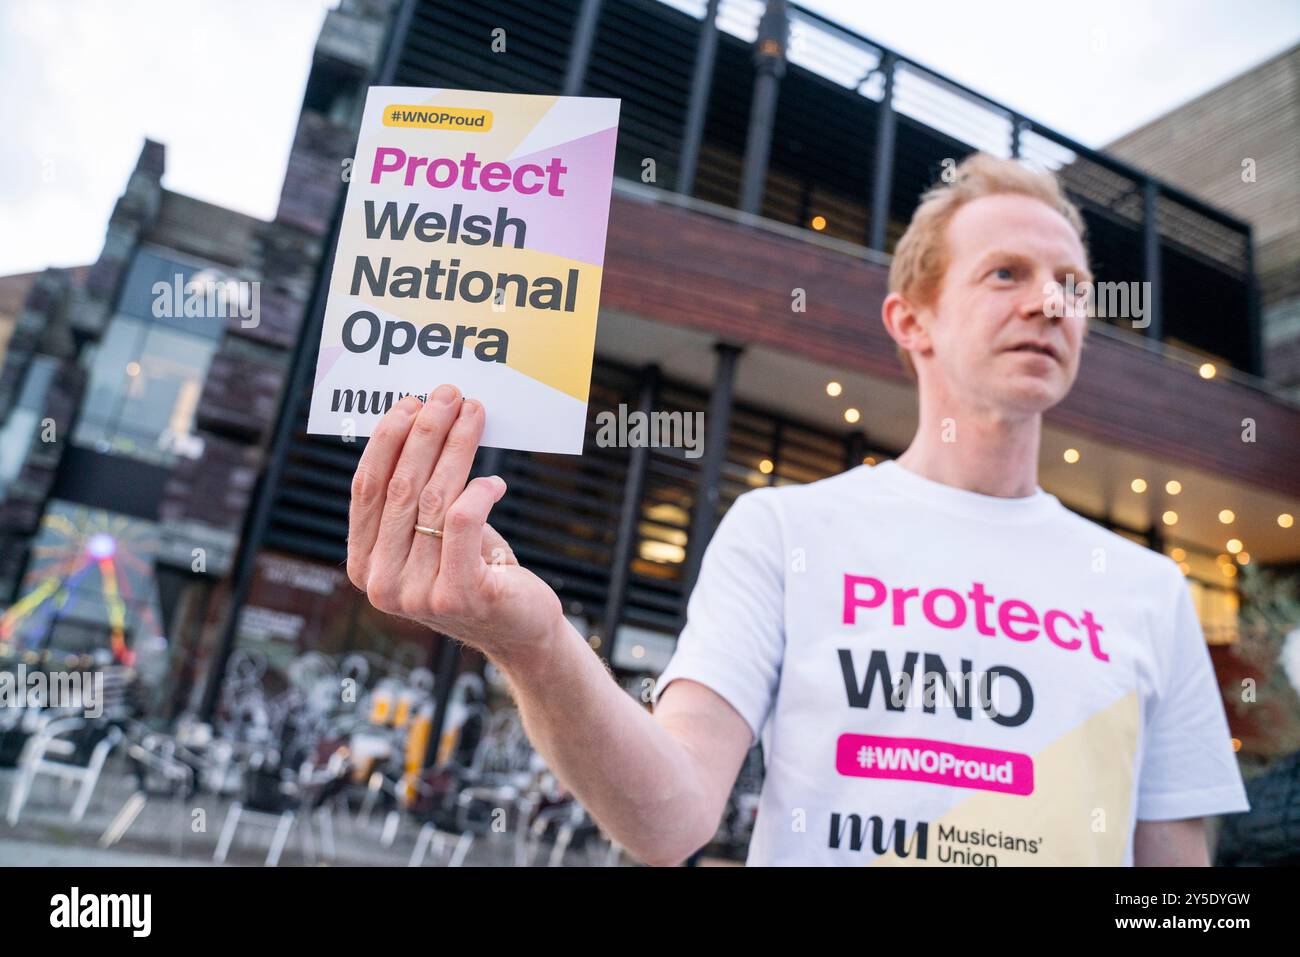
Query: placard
x=471, y=252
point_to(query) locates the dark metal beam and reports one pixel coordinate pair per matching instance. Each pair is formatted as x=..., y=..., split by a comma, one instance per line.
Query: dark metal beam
x=717, y=427
x=769, y=67
x=1151, y=260
x=778, y=437
x=1254, y=324
x=584, y=35
x=855, y=450
x=882, y=183
x=701, y=86
x=444, y=680
x=1155, y=537
x=629, y=518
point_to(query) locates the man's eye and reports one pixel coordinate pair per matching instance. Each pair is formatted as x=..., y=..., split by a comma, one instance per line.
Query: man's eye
x=1004, y=273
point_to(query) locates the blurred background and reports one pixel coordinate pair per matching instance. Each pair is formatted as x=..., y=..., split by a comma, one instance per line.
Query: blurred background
x=166, y=523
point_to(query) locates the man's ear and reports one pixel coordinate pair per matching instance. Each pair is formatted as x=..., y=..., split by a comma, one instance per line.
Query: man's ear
x=904, y=323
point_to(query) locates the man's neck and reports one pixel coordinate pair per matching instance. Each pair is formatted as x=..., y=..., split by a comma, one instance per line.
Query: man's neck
x=980, y=450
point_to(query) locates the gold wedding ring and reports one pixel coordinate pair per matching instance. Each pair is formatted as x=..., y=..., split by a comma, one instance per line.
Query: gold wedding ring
x=435, y=532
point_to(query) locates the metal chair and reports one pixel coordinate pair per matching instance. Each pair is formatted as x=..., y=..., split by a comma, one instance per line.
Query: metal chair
x=430, y=837
x=159, y=773
x=69, y=748
x=266, y=802
x=269, y=800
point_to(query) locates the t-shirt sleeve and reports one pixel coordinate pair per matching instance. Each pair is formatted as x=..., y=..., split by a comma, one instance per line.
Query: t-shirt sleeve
x=734, y=636
x=1188, y=765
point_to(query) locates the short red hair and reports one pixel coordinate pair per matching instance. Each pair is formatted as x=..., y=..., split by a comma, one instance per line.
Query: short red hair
x=921, y=256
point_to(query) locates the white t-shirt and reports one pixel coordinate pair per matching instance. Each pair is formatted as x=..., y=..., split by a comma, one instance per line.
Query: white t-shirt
x=940, y=677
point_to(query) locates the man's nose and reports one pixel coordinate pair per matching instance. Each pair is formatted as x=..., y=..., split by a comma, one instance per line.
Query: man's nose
x=1032, y=303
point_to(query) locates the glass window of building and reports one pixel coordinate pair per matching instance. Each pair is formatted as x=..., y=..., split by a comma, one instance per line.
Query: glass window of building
x=21, y=426
x=147, y=372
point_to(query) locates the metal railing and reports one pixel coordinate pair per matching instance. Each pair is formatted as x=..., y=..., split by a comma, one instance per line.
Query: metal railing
x=855, y=134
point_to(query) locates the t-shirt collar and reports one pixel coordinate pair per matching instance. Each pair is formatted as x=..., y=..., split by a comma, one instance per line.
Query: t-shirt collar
x=1034, y=507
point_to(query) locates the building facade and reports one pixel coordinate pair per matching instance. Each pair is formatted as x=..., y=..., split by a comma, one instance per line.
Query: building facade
x=1235, y=146
x=768, y=160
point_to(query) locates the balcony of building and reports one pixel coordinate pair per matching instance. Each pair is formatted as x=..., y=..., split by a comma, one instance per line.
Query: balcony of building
x=772, y=109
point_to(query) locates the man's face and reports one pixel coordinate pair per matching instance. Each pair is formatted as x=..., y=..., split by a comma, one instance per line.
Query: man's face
x=993, y=343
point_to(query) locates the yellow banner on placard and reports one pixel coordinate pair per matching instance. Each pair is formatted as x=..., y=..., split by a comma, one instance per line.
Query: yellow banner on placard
x=438, y=118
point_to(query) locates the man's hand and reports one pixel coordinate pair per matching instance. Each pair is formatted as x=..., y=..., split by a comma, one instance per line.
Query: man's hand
x=656, y=784
x=468, y=583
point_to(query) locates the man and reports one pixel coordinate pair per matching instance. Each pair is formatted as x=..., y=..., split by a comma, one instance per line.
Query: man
x=945, y=666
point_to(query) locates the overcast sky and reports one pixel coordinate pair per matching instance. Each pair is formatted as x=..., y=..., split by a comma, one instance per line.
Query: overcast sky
x=220, y=82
